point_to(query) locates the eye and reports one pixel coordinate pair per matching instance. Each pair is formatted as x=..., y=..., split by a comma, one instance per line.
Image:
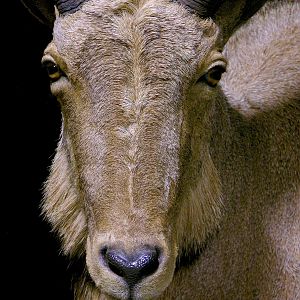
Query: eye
x=53, y=70
x=213, y=75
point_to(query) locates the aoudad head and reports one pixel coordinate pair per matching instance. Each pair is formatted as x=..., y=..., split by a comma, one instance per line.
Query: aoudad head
x=132, y=186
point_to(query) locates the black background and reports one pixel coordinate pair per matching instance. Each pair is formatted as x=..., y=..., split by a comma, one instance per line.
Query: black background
x=30, y=122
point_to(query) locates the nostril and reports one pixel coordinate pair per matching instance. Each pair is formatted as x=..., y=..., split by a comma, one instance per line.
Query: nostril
x=146, y=262
x=133, y=267
x=115, y=260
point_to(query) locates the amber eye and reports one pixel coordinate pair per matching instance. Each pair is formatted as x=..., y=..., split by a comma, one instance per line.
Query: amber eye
x=53, y=70
x=213, y=75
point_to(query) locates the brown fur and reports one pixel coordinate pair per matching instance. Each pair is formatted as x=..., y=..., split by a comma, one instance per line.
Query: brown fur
x=150, y=156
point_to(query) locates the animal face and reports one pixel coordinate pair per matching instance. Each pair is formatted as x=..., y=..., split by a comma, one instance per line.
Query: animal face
x=132, y=185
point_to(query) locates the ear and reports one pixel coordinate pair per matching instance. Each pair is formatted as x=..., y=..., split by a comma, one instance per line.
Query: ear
x=43, y=10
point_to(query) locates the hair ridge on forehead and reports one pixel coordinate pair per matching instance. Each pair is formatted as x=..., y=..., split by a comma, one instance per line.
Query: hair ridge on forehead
x=146, y=19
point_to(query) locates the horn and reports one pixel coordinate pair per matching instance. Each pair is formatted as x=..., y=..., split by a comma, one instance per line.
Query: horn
x=209, y=8
x=68, y=6
x=228, y=14
x=203, y=8
x=44, y=11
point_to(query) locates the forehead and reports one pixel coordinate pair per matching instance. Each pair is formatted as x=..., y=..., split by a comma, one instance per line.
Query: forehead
x=104, y=28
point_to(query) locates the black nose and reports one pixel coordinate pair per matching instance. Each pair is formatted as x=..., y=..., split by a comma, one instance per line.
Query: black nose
x=132, y=267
